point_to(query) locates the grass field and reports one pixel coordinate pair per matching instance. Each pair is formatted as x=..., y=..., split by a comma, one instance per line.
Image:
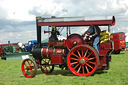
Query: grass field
x=11, y=74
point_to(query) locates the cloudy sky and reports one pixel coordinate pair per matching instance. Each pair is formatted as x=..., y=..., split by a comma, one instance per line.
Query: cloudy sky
x=17, y=17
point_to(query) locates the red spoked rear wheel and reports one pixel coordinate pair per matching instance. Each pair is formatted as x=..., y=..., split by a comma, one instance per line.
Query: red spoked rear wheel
x=46, y=66
x=83, y=60
x=29, y=68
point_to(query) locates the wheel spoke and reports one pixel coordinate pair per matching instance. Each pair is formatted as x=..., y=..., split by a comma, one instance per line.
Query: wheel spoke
x=76, y=66
x=29, y=68
x=29, y=63
x=89, y=54
x=91, y=58
x=86, y=53
x=25, y=65
x=82, y=60
x=31, y=72
x=79, y=69
x=87, y=69
x=25, y=68
x=49, y=67
x=27, y=71
x=43, y=60
x=92, y=62
x=33, y=67
x=48, y=61
x=89, y=65
x=74, y=63
x=78, y=53
x=83, y=68
x=75, y=55
x=46, y=68
x=74, y=59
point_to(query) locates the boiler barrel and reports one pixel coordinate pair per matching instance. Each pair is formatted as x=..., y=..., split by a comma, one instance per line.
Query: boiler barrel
x=47, y=52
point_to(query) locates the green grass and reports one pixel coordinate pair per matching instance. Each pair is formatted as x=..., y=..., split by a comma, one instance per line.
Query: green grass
x=11, y=74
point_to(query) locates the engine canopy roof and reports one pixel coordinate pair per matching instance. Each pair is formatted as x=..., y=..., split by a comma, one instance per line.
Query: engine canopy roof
x=76, y=21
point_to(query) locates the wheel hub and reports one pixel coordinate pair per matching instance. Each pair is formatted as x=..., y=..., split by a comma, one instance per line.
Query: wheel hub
x=27, y=68
x=82, y=60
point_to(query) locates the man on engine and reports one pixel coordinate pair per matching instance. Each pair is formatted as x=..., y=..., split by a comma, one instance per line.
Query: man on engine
x=94, y=32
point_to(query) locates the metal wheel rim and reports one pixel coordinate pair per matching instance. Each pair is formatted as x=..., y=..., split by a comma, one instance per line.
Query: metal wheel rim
x=46, y=68
x=83, y=60
x=29, y=68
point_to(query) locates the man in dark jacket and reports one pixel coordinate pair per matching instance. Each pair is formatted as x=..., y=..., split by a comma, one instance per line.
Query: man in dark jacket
x=94, y=32
x=54, y=33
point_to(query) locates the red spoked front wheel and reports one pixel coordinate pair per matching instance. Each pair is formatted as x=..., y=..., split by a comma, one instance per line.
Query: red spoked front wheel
x=83, y=60
x=46, y=66
x=29, y=68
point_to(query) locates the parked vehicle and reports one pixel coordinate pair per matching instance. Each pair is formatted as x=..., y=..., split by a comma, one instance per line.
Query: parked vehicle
x=11, y=51
x=30, y=45
x=119, y=41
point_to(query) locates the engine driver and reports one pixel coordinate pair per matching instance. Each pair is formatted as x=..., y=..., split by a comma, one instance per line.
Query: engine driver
x=94, y=32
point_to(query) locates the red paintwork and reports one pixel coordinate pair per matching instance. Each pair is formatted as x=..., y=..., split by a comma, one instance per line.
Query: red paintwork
x=104, y=53
x=28, y=68
x=119, y=40
x=46, y=31
x=72, y=38
x=46, y=68
x=47, y=51
x=61, y=44
x=78, y=23
x=51, y=42
x=105, y=46
x=89, y=55
x=57, y=59
x=103, y=22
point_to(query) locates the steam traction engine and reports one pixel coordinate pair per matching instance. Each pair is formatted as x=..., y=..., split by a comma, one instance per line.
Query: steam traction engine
x=74, y=53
